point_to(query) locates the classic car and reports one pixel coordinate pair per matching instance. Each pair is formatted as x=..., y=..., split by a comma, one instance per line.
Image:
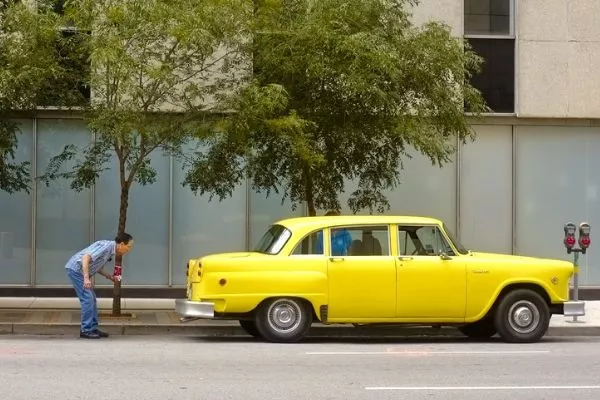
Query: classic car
x=366, y=270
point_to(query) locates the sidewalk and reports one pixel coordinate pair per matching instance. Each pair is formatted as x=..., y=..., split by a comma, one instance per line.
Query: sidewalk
x=60, y=316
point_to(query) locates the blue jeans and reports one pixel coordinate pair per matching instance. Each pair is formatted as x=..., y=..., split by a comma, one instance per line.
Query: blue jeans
x=87, y=300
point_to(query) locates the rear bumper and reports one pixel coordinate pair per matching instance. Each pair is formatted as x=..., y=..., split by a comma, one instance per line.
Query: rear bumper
x=194, y=309
x=574, y=308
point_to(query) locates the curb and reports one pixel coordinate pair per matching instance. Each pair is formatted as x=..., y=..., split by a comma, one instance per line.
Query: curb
x=234, y=330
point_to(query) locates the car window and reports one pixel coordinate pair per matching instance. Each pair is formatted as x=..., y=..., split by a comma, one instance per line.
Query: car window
x=360, y=241
x=310, y=245
x=273, y=240
x=424, y=240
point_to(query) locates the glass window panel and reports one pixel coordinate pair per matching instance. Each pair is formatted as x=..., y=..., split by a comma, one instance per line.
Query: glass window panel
x=62, y=214
x=360, y=241
x=487, y=17
x=15, y=224
x=202, y=227
x=422, y=241
x=557, y=182
x=147, y=222
x=486, y=190
x=310, y=245
x=496, y=80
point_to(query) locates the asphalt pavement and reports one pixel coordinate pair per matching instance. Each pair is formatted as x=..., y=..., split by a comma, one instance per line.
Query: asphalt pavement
x=185, y=367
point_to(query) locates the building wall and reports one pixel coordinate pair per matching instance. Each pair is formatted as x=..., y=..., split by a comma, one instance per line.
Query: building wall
x=449, y=12
x=510, y=191
x=558, y=56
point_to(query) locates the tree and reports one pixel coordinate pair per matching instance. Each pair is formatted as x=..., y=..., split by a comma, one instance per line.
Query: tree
x=157, y=67
x=32, y=74
x=340, y=89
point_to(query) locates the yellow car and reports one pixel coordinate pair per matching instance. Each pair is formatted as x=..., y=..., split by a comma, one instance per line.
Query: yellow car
x=376, y=270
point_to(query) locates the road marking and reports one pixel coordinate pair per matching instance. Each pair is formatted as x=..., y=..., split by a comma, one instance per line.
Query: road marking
x=430, y=388
x=423, y=352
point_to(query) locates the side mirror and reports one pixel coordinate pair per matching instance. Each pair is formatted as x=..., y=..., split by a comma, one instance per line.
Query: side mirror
x=444, y=256
x=584, y=236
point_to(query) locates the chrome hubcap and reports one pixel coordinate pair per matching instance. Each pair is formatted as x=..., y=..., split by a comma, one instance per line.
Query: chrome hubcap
x=284, y=316
x=524, y=316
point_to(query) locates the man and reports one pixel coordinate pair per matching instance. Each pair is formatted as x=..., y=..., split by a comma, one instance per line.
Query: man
x=340, y=239
x=85, y=264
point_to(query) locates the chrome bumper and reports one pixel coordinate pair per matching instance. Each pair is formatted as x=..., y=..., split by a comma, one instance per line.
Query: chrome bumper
x=194, y=309
x=574, y=308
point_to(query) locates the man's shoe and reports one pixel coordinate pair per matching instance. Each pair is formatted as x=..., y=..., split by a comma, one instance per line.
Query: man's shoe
x=100, y=333
x=89, y=335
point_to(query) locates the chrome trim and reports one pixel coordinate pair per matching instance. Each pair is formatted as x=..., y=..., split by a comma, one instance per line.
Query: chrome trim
x=197, y=309
x=574, y=308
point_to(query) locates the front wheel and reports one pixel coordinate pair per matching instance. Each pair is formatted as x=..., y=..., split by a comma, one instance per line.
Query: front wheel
x=284, y=320
x=522, y=317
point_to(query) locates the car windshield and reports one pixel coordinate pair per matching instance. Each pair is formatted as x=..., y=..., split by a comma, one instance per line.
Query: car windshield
x=461, y=249
x=273, y=240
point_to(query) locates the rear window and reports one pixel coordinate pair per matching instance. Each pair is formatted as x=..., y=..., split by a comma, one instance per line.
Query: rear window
x=273, y=240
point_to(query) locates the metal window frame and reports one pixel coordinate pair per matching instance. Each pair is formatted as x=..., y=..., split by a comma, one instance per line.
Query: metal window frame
x=34, y=154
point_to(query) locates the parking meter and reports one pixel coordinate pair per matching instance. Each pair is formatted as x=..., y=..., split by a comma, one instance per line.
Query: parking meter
x=569, y=239
x=584, y=236
x=569, y=242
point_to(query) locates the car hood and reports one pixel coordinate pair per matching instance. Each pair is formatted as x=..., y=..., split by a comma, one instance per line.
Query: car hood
x=524, y=259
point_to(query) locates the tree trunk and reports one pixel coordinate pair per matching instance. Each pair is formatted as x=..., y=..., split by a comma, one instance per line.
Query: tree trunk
x=308, y=191
x=124, y=203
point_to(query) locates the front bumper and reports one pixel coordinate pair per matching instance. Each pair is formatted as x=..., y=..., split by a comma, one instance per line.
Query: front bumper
x=194, y=309
x=574, y=308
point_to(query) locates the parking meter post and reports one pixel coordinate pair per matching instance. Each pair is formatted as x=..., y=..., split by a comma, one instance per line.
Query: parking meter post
x=569, y=243
x=576, y=279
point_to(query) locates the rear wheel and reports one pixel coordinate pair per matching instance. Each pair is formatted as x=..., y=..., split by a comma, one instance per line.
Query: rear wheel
x=522, y=316
x=284, y=320
x=250, y=327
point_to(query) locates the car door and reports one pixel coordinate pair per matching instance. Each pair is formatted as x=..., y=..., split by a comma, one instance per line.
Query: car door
x=431, y=278
x=362, y=275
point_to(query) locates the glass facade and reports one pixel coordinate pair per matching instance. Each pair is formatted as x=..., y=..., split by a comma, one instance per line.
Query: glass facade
x=557, y=182
x=511, y=190
x=62, y=215
x=486, y=207
x=15, y=220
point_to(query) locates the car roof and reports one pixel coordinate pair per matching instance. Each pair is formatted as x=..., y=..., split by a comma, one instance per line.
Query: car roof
x=323, y=221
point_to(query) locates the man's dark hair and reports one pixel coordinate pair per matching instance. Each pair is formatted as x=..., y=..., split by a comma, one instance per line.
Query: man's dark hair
x=123, y=238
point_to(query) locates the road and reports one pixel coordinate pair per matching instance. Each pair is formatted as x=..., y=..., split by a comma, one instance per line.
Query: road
x=181, y=368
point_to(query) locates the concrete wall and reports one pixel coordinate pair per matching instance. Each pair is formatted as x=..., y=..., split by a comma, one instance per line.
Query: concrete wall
x=447, y=11
x=558, y=58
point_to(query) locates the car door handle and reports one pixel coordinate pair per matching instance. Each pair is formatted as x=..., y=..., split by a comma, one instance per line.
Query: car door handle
x=336, y=259
x=404, y=258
